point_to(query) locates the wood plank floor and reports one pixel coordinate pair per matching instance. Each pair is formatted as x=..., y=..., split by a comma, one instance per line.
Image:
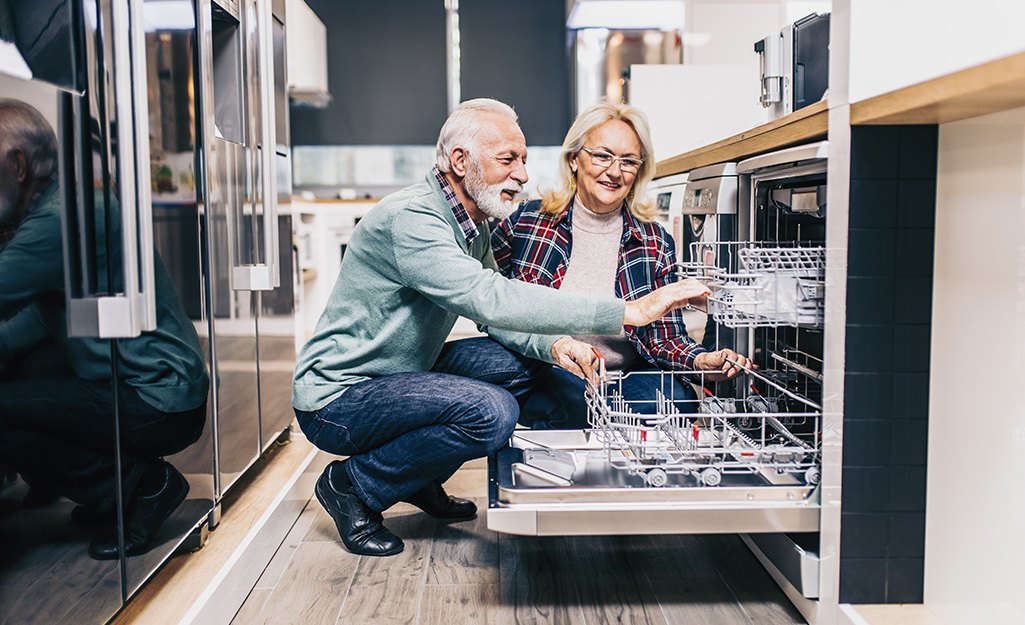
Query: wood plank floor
x=464, y=573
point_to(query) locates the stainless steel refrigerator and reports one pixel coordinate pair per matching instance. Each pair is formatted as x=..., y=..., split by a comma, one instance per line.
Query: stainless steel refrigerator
x=161, y=111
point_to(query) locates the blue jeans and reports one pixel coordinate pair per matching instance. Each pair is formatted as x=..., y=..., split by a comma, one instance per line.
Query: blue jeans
x=560, y=404
x=404, y=430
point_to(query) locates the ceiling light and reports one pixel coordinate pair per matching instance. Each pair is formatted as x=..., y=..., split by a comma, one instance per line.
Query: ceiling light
x=627, y=14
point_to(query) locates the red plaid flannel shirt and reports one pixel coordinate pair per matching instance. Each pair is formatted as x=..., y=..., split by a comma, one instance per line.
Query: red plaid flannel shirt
x=534, y=247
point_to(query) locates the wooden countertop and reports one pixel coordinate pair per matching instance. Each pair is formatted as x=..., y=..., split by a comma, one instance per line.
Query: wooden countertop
x=988, y=88
x=803, y=126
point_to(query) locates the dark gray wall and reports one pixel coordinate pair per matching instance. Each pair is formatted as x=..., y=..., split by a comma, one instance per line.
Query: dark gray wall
x=886, y=395
x=386, y=73
x=387, y=69
x=516, y=52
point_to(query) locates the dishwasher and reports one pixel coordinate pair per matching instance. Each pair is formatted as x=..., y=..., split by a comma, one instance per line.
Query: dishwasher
x=746, y=456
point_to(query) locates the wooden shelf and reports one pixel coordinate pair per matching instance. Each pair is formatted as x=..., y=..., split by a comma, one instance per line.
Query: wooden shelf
x=988, y=88
x=808, y=124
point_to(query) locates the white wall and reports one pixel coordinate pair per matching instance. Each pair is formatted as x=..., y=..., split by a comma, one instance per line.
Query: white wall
x=39, y=95
x=714, y=94
x=689, y=106
x=975, y=538
x=897, y=43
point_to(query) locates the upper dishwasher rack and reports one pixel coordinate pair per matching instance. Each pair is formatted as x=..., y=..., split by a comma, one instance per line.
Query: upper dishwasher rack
x=774, y=284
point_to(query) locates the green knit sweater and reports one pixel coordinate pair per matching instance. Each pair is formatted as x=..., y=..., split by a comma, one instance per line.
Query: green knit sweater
x=406, y=276
x=165, y=366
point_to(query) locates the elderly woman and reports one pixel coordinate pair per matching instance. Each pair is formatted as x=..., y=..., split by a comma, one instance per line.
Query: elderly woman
x=593, y=233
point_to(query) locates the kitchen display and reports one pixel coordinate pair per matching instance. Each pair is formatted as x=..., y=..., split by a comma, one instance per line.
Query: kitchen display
x=181, y=182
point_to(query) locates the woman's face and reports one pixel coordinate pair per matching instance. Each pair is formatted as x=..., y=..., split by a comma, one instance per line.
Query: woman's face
x=603, y=189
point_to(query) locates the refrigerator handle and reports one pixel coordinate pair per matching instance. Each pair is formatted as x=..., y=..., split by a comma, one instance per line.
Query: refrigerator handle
x=264, y=276
x=269, y=178
x=132, y=311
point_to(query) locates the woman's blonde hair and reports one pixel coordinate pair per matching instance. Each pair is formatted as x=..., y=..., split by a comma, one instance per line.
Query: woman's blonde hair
x=561, y=194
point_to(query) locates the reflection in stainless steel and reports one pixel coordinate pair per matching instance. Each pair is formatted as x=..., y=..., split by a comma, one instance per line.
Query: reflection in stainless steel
x=42, y=541
x=88, y=419
x=153, y=484
x=603, y=58
x=178, y=224
x=228, y=141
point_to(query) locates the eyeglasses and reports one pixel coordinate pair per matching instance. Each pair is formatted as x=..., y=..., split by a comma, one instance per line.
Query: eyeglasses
x=603, y=159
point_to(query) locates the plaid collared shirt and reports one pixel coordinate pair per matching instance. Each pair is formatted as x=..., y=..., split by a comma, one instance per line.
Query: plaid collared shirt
x=535, y=247
x=462, y=217
x=8, y=229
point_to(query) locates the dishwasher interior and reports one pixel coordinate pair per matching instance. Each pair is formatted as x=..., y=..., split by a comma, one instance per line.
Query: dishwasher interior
x=745, y=456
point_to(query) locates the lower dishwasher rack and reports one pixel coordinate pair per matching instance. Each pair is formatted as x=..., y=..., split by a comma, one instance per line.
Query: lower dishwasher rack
x=560, y=483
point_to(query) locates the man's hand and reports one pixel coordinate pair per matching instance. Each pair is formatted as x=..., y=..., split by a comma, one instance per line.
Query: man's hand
x=654, y=305
x=720, y=363
x=577, y=357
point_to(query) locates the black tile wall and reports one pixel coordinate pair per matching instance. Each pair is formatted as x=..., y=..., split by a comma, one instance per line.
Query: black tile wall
x=862, y=580
x=869, y=347
x=865, y=489
x=918, y=150
x=904, y=535
x=867, y=442
x=889, y=305
x=911, y=438
x=877, y=201
x=866, y=535
x=868, y=396
x=871, y=300
x=909, y=389
x=904, y=577
x=916, y=203
x=913, y=299
x=914, y=252
x=875, y=153
x=872, y=252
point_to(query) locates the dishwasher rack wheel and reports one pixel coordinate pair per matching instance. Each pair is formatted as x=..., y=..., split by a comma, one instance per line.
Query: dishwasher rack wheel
x=656, y=477
x=813, y=476
x=711, y=476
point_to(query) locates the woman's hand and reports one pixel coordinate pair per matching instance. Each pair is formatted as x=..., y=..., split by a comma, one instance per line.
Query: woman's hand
x=720, y=363
x=655, y=305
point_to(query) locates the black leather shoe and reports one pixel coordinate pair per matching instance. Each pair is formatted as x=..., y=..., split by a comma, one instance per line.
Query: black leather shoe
x=433, y=500
x=146, y=513
x=360, y=527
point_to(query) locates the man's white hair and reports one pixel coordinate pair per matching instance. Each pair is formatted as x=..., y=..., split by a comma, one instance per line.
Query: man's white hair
x=464, y=128
x=22, y=126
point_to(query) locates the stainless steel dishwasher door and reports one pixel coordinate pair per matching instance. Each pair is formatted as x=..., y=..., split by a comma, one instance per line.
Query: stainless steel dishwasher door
x=560, y=483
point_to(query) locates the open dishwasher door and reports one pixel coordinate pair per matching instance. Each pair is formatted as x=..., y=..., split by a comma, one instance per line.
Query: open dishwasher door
x=684, y=466
x=557, y=483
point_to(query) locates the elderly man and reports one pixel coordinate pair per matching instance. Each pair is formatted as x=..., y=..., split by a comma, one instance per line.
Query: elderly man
x=57, y=402
x=377, y=381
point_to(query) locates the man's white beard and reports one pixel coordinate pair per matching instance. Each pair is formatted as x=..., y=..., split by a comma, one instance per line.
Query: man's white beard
x=489, y=197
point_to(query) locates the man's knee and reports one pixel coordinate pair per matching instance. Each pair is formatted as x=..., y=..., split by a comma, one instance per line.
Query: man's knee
x=498, y=412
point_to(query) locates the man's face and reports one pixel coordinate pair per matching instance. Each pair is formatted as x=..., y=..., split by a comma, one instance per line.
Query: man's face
x=497, y=174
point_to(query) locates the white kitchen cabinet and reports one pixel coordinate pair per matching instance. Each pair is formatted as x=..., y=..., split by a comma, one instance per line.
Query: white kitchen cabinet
x=307, y=56
x=897, y=44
